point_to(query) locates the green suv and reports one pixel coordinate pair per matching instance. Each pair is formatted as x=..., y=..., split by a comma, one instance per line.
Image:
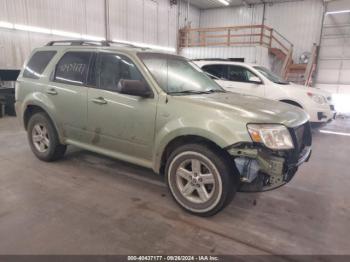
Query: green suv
x=162, y=112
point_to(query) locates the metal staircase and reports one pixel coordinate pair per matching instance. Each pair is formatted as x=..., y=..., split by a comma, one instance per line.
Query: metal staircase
x=297, y=73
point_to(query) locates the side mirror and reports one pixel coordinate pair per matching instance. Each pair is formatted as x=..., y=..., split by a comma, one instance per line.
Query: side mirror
x=134, y=88
x=255, y=80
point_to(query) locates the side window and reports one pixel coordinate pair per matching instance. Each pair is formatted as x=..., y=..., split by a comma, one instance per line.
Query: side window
x=241, y=74
x=114, y=68
x=37, y=64
x=219, y=71
x=72, y=68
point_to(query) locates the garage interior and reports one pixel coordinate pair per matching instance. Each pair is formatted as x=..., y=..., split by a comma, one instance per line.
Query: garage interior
x=92, y=204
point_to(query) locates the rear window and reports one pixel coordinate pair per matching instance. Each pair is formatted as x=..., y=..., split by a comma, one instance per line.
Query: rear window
x=72, y=68
x=37, y=64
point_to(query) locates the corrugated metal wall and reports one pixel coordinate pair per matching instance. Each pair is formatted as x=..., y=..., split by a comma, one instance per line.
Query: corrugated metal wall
x=64, y=15
x=333, y=72
x=149, y=21
x=299, y=21
x=251, y=54
x=226, y=17
x=146, y=21
x=193, y=15
x=231, y=16
x=334, y=56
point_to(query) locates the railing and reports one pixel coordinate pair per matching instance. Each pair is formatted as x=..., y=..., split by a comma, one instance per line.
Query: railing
x=288, y=61
x=234, y=36
x=311, y=66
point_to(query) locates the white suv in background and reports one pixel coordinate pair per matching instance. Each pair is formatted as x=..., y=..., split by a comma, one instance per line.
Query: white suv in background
x=259, y=81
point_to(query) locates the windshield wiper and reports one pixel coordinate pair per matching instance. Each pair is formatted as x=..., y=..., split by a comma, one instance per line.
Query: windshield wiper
x=196, y=92
x=187, y=92
x=216, y=91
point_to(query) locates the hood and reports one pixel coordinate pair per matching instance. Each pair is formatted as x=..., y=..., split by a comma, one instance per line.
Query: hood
x=250, y=109
x=314, y=90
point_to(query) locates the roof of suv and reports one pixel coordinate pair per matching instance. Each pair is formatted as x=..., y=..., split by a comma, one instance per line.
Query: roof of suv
x=100, y=45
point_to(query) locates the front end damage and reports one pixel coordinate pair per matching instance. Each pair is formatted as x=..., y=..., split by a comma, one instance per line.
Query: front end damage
x=263, y=169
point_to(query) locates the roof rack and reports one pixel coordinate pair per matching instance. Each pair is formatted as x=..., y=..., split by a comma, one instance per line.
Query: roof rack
x=77, y=42
x=89, y=43
x=233, y=59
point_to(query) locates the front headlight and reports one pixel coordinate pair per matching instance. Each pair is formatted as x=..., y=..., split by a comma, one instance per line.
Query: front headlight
x=319, y=99
x=271, y=135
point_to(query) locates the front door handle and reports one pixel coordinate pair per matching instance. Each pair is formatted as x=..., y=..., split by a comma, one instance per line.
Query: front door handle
x=52, y=91
x=99, y=100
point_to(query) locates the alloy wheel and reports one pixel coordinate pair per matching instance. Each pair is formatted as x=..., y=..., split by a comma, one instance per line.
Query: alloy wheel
x=40, y=138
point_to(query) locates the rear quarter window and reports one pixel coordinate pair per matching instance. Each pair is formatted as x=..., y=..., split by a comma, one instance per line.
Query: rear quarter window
x=73, y=68
x=37, y=64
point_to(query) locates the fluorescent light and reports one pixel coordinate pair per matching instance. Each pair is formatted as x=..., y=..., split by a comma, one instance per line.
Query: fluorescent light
x=35, y=29
x=93, y=38
x=66, y=34
x=42, y=30
x=224, y=2
x=157, y=47
x=6, y=25
x=338, y=12
x=334, y=133
x=28, y=28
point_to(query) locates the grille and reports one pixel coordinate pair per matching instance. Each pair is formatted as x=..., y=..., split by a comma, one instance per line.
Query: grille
x=301, y=137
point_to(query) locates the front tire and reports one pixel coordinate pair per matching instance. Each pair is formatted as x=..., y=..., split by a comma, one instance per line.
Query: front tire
x=201, y=179
x=43, y=138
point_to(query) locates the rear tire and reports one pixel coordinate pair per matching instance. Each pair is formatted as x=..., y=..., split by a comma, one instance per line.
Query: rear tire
x=201, y=179
x=43, y=138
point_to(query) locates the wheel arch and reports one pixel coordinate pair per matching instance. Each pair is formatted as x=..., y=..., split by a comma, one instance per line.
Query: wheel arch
x=32, y=107
x=182, y=140
x=29, y=111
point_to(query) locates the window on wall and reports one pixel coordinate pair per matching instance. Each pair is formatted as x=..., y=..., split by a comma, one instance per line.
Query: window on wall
x=72, y=68
x=37, y=64
x=113, y=68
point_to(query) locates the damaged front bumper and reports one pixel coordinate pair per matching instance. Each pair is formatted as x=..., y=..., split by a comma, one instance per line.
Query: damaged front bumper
x=262, y=169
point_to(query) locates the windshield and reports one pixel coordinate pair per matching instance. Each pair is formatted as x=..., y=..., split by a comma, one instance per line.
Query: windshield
x=175, y=75
x=271, y=76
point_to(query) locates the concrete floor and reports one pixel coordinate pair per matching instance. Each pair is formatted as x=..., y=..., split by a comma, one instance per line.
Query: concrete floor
x=90, y=204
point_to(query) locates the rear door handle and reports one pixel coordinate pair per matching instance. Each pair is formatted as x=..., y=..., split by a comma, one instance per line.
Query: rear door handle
x=99, y=100
x=52, y=91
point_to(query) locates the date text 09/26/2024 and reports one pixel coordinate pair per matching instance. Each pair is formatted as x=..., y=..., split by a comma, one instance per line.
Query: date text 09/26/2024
x=173, y=258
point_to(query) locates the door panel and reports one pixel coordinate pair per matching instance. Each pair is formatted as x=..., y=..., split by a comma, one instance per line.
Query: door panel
x=242, y=79
x=68, y=93
x=70, y=107
x=244, y=88
x=118, y=122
